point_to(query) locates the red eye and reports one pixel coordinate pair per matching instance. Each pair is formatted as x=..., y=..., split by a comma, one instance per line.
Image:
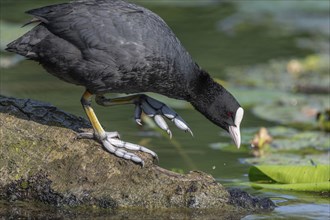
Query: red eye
x=230, y=114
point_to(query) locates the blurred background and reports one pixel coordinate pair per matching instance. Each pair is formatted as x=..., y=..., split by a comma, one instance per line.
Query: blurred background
x=272, y=55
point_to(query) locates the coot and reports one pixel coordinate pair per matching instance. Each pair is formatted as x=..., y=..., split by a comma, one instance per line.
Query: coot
x=112, y=46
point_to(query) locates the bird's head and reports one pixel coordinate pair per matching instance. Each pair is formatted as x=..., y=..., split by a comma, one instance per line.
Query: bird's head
x=217, y=104
x=228, y=114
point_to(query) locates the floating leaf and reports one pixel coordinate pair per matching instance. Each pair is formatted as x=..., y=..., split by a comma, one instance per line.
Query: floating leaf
x=287, y=159
x=309, y=75
x=253, y=96
x=310, y=187
x=300, y=178
x=305, y=141
x=293, y=109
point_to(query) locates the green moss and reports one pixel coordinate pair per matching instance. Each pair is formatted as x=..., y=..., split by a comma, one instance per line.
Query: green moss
x=178, y=170
x=24, y=185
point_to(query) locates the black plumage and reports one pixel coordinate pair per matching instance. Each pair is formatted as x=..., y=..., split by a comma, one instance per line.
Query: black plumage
x=112, y=46
x=108, y=45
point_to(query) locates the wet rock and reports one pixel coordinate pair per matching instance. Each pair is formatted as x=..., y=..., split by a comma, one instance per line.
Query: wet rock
x=42, y=161
x=243, y=199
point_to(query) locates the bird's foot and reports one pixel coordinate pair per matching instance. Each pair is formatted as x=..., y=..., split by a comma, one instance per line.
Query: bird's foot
x=158, y=110
x=112, y=143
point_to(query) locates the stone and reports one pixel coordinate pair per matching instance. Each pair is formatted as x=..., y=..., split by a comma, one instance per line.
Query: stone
x=41, y=160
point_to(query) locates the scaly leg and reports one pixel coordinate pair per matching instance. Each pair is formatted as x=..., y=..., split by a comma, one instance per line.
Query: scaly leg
x=151, y=107
x=110, y=140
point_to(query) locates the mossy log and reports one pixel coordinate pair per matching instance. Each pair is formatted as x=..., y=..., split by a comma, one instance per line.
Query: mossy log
x=42, y=160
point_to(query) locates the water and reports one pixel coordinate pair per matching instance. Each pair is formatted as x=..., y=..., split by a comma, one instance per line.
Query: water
x=198, y=29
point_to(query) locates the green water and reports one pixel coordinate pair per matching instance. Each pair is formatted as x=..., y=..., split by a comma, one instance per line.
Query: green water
x=197, y=28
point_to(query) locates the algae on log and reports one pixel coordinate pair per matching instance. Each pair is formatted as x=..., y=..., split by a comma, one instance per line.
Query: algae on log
x=41, y=160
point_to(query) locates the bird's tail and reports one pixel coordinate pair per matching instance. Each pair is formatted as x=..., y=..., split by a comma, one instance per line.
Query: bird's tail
x=25, y=44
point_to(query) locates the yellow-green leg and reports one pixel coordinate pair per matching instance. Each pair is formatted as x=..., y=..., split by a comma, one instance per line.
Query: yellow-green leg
x=86, y=103
x=110, y=140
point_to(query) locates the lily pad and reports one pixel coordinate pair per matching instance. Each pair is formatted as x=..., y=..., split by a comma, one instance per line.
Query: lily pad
x=292, y=146
x=319, y=141
x=288, y=159
x=293, y=109
x=285, y=17
x=284, y=140
x=252, y=96
x=287, y=139
x=310, y=187
x=300, y=178
x=307, y=75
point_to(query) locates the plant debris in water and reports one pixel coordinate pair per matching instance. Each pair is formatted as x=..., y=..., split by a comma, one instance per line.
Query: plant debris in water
x=260, y=142
x=323, y=119
x=292, y=146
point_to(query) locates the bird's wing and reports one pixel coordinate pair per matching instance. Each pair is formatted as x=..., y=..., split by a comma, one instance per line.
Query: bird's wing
x=111, y=31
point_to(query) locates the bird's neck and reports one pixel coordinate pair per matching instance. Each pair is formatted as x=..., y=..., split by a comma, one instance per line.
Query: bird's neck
x=206, y=94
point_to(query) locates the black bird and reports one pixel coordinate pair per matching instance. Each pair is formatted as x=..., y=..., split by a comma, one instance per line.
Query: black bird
x=112, y=46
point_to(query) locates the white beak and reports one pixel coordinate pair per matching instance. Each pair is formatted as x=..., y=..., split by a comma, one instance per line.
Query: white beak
x=234, y=130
